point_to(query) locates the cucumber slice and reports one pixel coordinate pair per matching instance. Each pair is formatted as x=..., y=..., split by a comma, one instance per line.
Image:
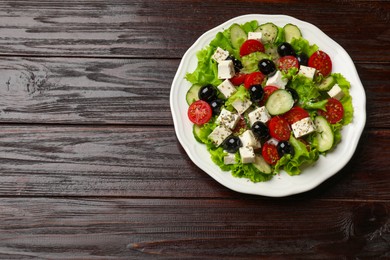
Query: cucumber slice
x=262, y=165
x=327, y=83
x=269, y=32
x=193, y=94
x=324, y=135
x=196, y=129
x=237, y=36
x=279, y=102
x=291, y=31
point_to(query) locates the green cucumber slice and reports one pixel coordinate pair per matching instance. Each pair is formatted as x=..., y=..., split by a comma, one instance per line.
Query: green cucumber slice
x=269, y=32
x=327, y=83
x=291, y=31
x=262, y=165
x=193, y=94
x=279, y=102
x=196, y=130
x=324, y=135
x=237, y=36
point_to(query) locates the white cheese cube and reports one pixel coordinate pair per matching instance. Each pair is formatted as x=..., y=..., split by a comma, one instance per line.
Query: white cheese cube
x=219, y=134
x=220, y=55
x=241, y=105
x=230, y=158
x=303, y=127
x=227, y=88
x=225, y=69
x=336, y=92
x=255, y=36
x=248, y=139
x=307, y=71
x=247, y=154
x=259, y=114
x=277, y=80
x=228, y=118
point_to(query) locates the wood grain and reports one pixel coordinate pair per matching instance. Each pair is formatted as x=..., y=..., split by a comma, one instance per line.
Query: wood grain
x=156, y=29
x=177, y=228
x=128, y=91
x=146, y=162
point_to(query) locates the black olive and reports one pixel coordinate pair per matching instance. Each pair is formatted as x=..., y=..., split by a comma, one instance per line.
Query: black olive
x=256, y=93
x=303, y=59
x=285, y=147
x=285, y=49
x=267, y=67
x=236, y=63
x=260, y=130
x=216, y=105
x=207, y=93
x=232, y=144
x=293, y=93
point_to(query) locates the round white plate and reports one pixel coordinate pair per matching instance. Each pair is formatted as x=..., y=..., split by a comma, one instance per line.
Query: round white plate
x=282, y=184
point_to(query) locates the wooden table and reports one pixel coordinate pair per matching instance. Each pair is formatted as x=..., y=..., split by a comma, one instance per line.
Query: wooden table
x=90, y=164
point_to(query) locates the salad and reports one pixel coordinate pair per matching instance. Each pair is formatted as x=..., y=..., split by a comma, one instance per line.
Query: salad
x=263, y=99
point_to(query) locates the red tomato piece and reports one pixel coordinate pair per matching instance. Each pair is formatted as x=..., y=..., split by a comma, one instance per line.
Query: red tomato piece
x=238, y=79
x=255, y=78
x=250, y=46
x=199, y=112
x=268, y=90
x=295, y=114
x=321, y=62
x=279, y=128
x=270, y=153
x=287, y=62
x=334, y=111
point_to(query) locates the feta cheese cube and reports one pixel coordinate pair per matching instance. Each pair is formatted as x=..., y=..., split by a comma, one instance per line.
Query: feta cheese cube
x=247, y=154
x=227, y=88
x=303, y=127
x=220, y=55
x=241, y=105
x=219, y=134
x=248, y=139
x=230, y=158
x=225, y=69
x=277, y=80
x=307, y=71
x=228, y=118
x=259, y=114
x=273, y=141
x=336, y=92
x=255, y=36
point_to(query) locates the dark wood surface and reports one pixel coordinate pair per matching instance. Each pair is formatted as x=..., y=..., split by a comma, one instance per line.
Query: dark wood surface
x=90, y=166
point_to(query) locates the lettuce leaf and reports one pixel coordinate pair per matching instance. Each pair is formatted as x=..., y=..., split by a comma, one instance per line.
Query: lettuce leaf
x=306, y=89
x=346, y=100
x=302, y=45
x=207, y=70
x=292, y=164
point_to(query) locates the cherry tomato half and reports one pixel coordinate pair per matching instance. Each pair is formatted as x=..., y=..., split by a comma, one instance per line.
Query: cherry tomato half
x=255, y=78
x=295, y=114
x=250, y=46
x=321, y=62
x=287, y=62
x=334, y=111
x=199, y=112
x=279, y=128
x=268, y=90
x=238, y=79
x=270, y=153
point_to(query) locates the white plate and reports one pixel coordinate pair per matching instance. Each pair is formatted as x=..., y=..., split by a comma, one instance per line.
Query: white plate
x=282, y=184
